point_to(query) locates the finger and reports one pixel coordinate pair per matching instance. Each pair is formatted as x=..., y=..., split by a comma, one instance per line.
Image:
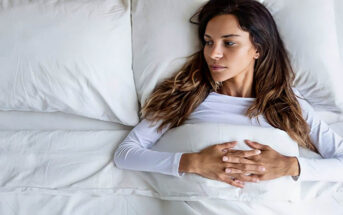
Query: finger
x=225, y=146
x=233, y=159
x=256, y=145
x=240, y=175
x=232, y=171
x=251, y=168
x=246, y=178
x=254, y=158
x=238, y=182
x=229, y=180
x=259, y=177
x=244, y=153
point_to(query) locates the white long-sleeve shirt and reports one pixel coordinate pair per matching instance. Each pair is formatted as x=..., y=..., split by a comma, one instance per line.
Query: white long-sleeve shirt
x=134, y=153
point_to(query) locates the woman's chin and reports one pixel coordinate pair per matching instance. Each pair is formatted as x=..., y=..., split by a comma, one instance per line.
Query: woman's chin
x=218, y=79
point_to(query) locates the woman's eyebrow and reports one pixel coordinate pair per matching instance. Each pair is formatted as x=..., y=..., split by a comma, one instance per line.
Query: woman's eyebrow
x=224, y=36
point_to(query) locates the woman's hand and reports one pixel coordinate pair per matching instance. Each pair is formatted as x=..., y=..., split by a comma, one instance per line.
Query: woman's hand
x=208, y=162
x=275, y=165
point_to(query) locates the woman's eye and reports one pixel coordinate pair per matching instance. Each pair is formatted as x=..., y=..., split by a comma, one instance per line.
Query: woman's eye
x=226, y=43
x=229, y=43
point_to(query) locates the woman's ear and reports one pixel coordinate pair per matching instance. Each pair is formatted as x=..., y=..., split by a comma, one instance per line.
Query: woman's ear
x=257, y=52
x=257, y=55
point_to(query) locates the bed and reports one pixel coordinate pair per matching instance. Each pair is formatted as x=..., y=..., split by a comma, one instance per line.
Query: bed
x=75, y=73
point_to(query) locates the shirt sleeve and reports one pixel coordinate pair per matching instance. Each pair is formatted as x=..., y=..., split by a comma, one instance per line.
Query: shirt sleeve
x=134, y=153
x=328, y=143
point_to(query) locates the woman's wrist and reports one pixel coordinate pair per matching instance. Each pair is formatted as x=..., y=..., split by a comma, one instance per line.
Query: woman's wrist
x=188, y=163
x=294, y=169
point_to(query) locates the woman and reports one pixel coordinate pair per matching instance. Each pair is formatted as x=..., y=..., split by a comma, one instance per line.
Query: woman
x=242, y=75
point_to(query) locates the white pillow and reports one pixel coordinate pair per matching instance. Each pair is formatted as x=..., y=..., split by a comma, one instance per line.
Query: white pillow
x=69, y=56
x=195, y=137
x=339, y=24
x=310, y=33
x=162, y=36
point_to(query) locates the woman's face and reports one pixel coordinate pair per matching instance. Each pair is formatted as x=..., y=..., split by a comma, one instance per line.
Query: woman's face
x=228, y=51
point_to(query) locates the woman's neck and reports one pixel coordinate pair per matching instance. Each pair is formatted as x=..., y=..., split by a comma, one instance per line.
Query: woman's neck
x=245, y=93
x=239, y=86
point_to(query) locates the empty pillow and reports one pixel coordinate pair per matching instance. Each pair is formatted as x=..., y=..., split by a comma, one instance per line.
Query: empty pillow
x=68, y=56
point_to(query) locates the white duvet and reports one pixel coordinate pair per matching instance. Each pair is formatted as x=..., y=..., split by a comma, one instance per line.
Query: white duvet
x=71, y=172
x=195, y=137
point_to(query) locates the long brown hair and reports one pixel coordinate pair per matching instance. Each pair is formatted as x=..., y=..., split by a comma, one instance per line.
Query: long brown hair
x=174, y=99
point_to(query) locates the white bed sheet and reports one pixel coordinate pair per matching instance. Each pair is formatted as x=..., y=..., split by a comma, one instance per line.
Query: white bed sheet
x=21, y=120
x=42, y=204
x=71, y=172
x=338, y=127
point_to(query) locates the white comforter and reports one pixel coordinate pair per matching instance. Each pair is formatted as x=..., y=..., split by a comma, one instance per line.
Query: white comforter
x=71, y=172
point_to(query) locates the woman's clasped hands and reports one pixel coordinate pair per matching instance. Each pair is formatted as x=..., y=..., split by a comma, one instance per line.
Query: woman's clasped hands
x=235, y=167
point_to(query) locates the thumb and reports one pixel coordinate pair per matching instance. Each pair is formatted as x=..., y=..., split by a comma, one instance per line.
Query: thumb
x=227, y=145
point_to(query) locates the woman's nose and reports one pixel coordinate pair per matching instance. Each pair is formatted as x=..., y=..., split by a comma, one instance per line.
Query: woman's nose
x=216, y=52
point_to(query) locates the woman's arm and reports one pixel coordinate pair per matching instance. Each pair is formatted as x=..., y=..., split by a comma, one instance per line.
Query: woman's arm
x=134, y=154
x=328, y=143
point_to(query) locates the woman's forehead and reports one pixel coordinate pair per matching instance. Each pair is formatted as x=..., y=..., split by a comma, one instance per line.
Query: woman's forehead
x=224, y=25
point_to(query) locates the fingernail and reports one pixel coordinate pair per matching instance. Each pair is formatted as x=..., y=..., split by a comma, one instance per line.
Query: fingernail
x=257, y=152
x=256, y=180
x=227, y=170
x=262, y=168
x=225, y=158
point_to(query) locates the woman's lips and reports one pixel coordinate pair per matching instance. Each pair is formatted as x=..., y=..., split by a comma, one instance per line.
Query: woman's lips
x=216, y=68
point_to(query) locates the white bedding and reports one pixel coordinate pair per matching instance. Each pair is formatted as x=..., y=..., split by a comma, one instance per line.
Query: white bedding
x=23, y=120
x=338, y=127
x=69, y=56
x=60, y=164
x=85, y=185
x=54, y=204
x=71, y=172
x=195, y=137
